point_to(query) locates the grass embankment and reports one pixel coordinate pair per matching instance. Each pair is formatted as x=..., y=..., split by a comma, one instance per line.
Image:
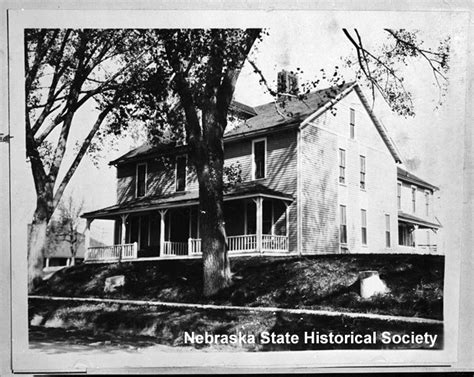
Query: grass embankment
x=316, y=282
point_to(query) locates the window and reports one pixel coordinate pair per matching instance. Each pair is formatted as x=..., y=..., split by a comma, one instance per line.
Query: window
x=180, y=173
x=399, y=195
x=413, y=199
x=352, y=123
x=362, y=172
x=363, y=226
x=427, y=203
x=387, y=231
x=259, y=158
x=141, y=180
x=343, y=226
x=342, y=166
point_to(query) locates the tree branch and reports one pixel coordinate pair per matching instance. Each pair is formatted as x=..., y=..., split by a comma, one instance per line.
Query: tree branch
x=80, y=154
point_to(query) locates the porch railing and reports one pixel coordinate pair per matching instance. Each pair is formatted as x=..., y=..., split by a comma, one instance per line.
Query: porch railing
x=246, y=242
x=194, y=246
x=236, y=244
x=175, y=248
x=274, y=243
x=115, y=252
x=418, y=249
x=429, y=249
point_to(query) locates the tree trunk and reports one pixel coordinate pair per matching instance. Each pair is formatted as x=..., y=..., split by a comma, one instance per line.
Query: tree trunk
x=216, y=267
x=37, y=241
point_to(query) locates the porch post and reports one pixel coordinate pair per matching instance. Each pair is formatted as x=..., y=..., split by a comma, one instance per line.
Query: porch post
x=287, y=219
x=162, y=230
x=87, y=235
x=259, y=203
x=124, y=232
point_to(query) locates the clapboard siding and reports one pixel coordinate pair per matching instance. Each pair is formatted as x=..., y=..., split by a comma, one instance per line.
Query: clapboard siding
x=321, y=141
x=319, y=228
x=281, y=167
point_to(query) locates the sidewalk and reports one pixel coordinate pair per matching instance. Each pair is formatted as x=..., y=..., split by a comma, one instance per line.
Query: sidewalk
x=325, y=313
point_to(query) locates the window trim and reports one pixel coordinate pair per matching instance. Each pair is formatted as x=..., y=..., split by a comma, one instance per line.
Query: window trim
x=185, y=156
x=352, y=123
x=265, y=165
x=363, y=216
x=342, y=165
x=136, y=179
x=363, y=172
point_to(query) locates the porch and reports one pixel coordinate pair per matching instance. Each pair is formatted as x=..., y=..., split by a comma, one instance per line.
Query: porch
x=255, y=223
x=416, y=235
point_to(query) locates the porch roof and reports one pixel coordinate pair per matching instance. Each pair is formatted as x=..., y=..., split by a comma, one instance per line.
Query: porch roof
x=183, y=199
x=407, y=218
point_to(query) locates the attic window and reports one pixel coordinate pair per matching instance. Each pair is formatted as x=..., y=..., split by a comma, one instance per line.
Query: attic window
x=180, y=173
x=141, y=180
x=259, y=150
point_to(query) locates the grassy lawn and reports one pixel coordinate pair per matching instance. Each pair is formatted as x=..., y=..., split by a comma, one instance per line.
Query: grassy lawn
x=70, y=324
x=316, y=282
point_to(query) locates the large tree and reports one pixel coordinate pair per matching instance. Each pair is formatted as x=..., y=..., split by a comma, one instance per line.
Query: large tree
x=180, y=82
x=65, y=71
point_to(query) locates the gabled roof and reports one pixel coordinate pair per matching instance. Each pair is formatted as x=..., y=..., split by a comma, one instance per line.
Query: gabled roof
x=408, y=177
x=149, y=150
x=184, y=198
x=271, y=117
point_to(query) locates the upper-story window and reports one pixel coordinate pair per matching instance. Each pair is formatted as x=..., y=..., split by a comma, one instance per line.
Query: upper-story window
x=342, y=166
x=343, y=224
x=259, y=153
x=427, y=203
x=413, y=199
x=362, y=172
x=352, y=123
x=181, y=173
x=399, y=195
x=140, y=179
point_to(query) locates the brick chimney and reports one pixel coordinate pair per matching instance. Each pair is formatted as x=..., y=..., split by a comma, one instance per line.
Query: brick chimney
x=287, y=82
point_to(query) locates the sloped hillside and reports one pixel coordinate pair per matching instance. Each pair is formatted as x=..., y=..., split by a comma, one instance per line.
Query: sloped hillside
x=317, y=282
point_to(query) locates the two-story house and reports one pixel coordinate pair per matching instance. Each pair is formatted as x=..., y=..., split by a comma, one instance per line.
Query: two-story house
x=318, y=177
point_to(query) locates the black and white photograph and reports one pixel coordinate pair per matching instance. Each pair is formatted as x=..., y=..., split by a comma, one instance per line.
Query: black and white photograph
x=236, y=188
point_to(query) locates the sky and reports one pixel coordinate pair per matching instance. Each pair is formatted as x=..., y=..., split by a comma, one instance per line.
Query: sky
x=313, y=41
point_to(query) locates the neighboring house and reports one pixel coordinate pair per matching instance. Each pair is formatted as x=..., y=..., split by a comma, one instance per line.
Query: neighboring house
x=321, y=180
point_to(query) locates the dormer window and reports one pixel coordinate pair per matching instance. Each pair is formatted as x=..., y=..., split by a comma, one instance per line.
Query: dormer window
x=181, y=173
x=259, y=152
x=141, y=174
